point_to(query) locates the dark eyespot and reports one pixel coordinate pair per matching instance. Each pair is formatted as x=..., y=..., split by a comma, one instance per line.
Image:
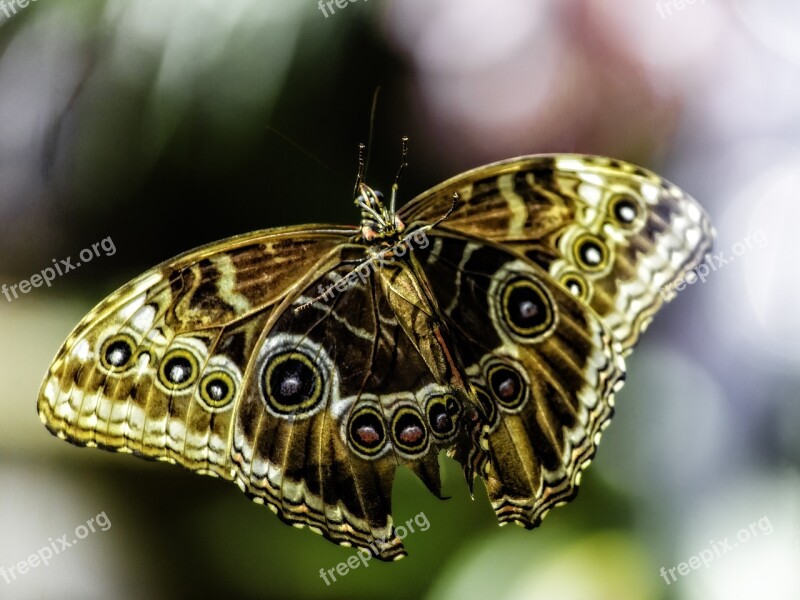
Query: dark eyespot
x=625, y=210
x=366, y=431
x=117, y=352
x=507, y=386
x=591, y=253
x=409, y=431
x=575, y=285
x=442, y=414
x=178, y=370
x=217, y=389
x=292, y=383
x=527, y=309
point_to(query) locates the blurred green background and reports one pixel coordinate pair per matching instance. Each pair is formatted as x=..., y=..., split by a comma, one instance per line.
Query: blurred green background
x=166, y=125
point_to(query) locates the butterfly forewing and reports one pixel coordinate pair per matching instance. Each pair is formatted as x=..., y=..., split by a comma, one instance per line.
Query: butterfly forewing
x=157, y=367
x=616, y=235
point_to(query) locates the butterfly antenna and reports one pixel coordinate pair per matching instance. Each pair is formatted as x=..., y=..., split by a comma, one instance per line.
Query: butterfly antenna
x=361, y=168
x=403, y=165
x=440, y=220
x=372, y=112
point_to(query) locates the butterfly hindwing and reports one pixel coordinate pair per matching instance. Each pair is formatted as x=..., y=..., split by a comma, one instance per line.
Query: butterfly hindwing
x=541, y=363
x=339, y=395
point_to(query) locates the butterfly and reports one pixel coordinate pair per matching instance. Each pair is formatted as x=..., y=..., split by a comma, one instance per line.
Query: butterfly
x=489, y=317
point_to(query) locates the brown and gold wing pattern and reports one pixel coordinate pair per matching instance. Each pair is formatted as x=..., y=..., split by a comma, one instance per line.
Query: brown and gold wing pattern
x=613, y=233
x=378, y=393
x=542, y=366
x=307, y=364
x=155, y=368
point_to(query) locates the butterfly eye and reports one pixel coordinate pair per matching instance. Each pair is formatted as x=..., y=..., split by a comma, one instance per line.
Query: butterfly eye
x=625, y=210
x=409, y=432
x=527, y=308
x=366, y=432
x=292, y=383
x=591, y=254
x=442, y=414
x=117, y=352
x=507, y=386
x=217, y=389
x=179, y=370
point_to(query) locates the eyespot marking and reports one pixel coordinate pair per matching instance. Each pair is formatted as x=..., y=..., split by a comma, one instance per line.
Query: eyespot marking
x=526, y=307
x=366, y=432
x=626, y=211
x=217, y=389
x=117, y=353
x=575, y=284
x=443, y=411
x=291, y=383
x=591, y=253
x=178, y=370
x=507, y=386
x=408, y=430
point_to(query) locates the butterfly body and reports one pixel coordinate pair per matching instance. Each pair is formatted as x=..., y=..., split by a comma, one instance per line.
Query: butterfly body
x=306, y=364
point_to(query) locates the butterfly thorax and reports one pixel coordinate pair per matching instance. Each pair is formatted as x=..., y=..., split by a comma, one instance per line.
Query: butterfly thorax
x=379, y=224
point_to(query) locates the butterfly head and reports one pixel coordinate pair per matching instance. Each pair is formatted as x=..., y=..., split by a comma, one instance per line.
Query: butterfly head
x=378, y=223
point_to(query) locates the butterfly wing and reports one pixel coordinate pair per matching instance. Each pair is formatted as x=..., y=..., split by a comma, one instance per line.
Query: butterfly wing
x=156, y=368
x=542, y=365
x=569, y=256
x=380, y=393
x=205, y=362
x=618, y=236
